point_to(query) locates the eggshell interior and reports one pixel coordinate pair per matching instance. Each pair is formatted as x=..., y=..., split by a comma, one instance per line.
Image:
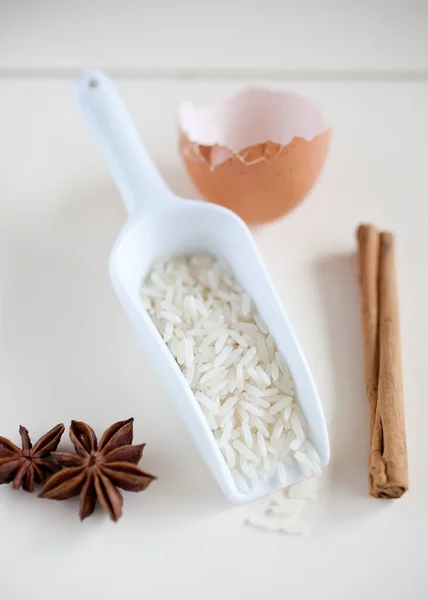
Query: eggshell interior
x=258, y=153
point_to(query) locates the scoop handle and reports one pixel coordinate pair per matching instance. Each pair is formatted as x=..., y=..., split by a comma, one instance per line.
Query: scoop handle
x=139, y=183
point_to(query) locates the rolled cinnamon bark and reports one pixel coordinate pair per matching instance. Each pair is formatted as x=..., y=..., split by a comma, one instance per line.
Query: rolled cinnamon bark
x=368, y=265
x=388, y=475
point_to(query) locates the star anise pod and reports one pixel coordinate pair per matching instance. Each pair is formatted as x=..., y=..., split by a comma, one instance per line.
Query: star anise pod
x=31, y=464
x=97, y=470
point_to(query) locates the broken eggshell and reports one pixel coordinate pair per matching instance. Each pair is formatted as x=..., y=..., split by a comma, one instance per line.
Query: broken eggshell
x=258, y=153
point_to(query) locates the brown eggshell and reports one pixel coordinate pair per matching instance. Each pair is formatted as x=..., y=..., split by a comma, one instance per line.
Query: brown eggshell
x=264, y=180
x=262, y=190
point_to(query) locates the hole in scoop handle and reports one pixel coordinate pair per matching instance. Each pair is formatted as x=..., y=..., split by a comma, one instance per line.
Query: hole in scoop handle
x=132, y=169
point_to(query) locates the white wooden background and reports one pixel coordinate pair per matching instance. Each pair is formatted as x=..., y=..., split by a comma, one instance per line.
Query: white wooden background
x=67, y=351
x=307, y=36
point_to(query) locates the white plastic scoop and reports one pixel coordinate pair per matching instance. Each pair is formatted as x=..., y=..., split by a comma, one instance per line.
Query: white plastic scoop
x=159, y=223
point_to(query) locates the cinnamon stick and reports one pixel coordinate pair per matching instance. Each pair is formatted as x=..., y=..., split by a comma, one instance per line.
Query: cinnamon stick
x=388, y=476
x=368, y=263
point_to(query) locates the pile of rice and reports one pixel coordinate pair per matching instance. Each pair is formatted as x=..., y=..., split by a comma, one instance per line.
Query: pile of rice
x=230, y=360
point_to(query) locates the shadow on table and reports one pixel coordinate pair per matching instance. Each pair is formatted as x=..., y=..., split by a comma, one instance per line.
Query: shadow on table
x=338, y=285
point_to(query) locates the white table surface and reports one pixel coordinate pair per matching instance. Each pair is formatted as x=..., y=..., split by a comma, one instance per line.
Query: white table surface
x=67, y=351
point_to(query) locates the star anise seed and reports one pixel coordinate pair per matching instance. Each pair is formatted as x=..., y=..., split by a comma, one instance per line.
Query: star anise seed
x=31, y=464
x=97, y=470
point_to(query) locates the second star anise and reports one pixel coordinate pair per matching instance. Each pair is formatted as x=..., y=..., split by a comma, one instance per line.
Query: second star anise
x=31, y=464
x=97, y=470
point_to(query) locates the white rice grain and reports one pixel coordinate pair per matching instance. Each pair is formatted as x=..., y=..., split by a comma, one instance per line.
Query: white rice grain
x=295, y=444
x=168, y=331
x=262, y=350
x=245, y=304
x=285, y=385
x=270, y=392
x=270, y=345
x=247, y=434
x=219, y=345
x=208, y=403
x=181, y=358
x=275, y=370
x=236, y=433
x=170, y=308
x=261, y=444
x=188, y=352
x=256, y=401
x=243, y=414
x=260, y=324
x=255, y=410
x=211, y=420
x=157, y=280
x=277, y=430
x=255, y=377
x=252, y=390
x=262, y=375
x=211, y=374
x=287, y=412
x=238, y=338
x=218, y=388
x=303, y=458
x=312, y=453
x=169, y=316
x=242, y=484
x=232, y=358
x=228, y=405
x=240, y=377
x=232, y=384
x=229, y=416
x=280, y=404
x=222, y=356
x=297, y=427
x=282, y=364
x=243, y=450
x=260, y=426
x=225, y=437
x=190, y=372
x=248, y=356
x=204, y=368
x=230, y=456
x=243, y=463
